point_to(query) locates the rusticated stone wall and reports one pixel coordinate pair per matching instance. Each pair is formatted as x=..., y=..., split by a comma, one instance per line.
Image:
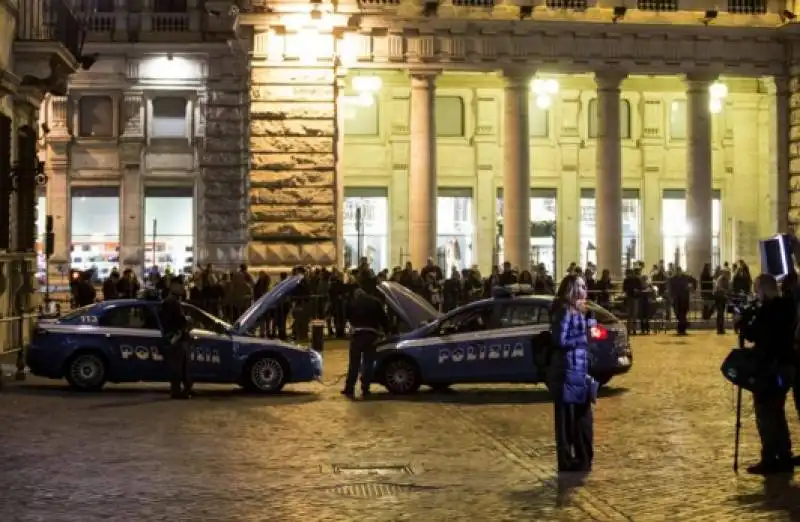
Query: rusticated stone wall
x=293, y=201
x=222, y=205
x=794, y=148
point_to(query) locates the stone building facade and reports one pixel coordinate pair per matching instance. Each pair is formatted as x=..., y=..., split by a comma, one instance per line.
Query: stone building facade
x=454, y=157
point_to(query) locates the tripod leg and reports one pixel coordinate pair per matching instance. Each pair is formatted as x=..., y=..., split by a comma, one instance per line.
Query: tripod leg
x=738, y=429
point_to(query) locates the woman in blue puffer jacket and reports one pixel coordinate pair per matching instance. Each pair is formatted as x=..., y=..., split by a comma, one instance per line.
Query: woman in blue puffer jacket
x=572, y=388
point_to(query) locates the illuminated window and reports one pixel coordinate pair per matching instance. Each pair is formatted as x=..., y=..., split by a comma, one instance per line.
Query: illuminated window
x=631, y=216
x=747, y=6
x=675, y=227
x=169, y=117
x=455, y=230
x=677, y=120
x=624, y=119
x=366, y=227
x=94, y=229
x=543, y=231
x=169, y=229
x=449, y=116
x=96, y=117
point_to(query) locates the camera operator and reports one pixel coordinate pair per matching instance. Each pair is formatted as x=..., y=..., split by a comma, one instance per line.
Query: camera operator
x=771, y=330
x=790, y=287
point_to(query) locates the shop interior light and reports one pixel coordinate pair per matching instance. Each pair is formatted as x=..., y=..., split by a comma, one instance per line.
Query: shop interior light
x=543, y=101
x=366, y=84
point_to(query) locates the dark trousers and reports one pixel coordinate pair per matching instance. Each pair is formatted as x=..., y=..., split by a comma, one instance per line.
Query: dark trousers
x=362, y=358
x=574, y=436
x=178, y=361
x=796, y=386
x=773, y=429
x=720, y=303
x=681, y=311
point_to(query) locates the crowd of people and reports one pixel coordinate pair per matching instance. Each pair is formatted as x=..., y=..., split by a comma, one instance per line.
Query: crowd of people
x=325, y=292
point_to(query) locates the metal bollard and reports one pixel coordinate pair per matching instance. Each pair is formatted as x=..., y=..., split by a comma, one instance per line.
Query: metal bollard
x=317, y=335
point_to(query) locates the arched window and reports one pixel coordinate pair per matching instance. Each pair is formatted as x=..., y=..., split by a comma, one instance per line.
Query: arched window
x=624, y=119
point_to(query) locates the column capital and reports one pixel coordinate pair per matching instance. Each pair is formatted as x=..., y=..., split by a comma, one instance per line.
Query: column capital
x=776, y=85
x=518, y=77
x=696, y=81
x=609, y=80
x=428, y=76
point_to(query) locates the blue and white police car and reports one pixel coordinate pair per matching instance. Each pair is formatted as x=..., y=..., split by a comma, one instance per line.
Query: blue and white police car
x=120, y=341
x=504, y=339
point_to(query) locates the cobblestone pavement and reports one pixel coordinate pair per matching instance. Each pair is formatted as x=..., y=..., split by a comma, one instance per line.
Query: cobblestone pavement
x=664, y=449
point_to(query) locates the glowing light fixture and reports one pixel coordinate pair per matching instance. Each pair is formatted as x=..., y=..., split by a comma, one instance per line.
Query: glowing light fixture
x=717, y=91
x=544, y=89
x=366, y=84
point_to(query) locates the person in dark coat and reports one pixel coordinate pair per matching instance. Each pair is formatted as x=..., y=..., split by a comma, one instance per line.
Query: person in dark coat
x=680, y=287
x=176, y=326
x=772, y=333
x=572, y=388
x=369, y=322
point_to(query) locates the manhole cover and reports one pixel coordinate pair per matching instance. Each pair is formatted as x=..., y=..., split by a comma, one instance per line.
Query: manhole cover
x=376, y=490
x=376, y=470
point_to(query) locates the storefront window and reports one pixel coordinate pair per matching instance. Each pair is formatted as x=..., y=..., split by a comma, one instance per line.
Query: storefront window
x=169, y=229
x=675, y=227
x=543, y=228
x=95, y=229
x=631, y=215
x=455, y=231
x=41, y=217
x=369, y=236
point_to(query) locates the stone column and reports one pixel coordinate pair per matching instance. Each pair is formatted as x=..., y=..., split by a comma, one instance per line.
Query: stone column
x=422, y=181
x=699, y=172
x=780, y=211
x=516, y=171
x=608, y=191
x=132, y=226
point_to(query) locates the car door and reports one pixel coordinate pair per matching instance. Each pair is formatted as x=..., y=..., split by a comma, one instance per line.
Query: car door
x=134, y=339
x=523, y=330
x=461, y=349
x=211, y=352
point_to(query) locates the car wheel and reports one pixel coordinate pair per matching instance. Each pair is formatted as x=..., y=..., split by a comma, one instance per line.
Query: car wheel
x=440, y=386
x=265, y=374
x=401, y=376
x=86, y=371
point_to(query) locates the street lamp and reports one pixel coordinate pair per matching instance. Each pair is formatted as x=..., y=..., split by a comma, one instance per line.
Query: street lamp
x=544, y=91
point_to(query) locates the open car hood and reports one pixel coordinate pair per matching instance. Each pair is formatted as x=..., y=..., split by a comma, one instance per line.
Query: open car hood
x=413, y=309
x=255, y=314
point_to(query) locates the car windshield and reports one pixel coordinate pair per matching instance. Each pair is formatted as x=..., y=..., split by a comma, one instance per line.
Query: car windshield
x=75, y=313
x=602, y=315
x=204, y=320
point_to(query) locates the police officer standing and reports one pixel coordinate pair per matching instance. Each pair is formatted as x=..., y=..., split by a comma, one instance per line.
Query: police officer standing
x=368, y=320
x=176, y=328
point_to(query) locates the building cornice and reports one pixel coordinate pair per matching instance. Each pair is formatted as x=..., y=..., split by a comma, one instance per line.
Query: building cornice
x=565, y=47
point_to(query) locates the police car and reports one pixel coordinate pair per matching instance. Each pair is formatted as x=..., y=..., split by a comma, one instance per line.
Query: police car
x=120, y=341
x=504, y=339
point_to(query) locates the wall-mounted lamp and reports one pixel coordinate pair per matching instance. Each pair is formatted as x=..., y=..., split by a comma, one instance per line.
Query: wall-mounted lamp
x=525, y=11
x=787, y=16
x=710, y=16
x=619, y=13
x=717, y=91
x=430, y=8
x=544, y=91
